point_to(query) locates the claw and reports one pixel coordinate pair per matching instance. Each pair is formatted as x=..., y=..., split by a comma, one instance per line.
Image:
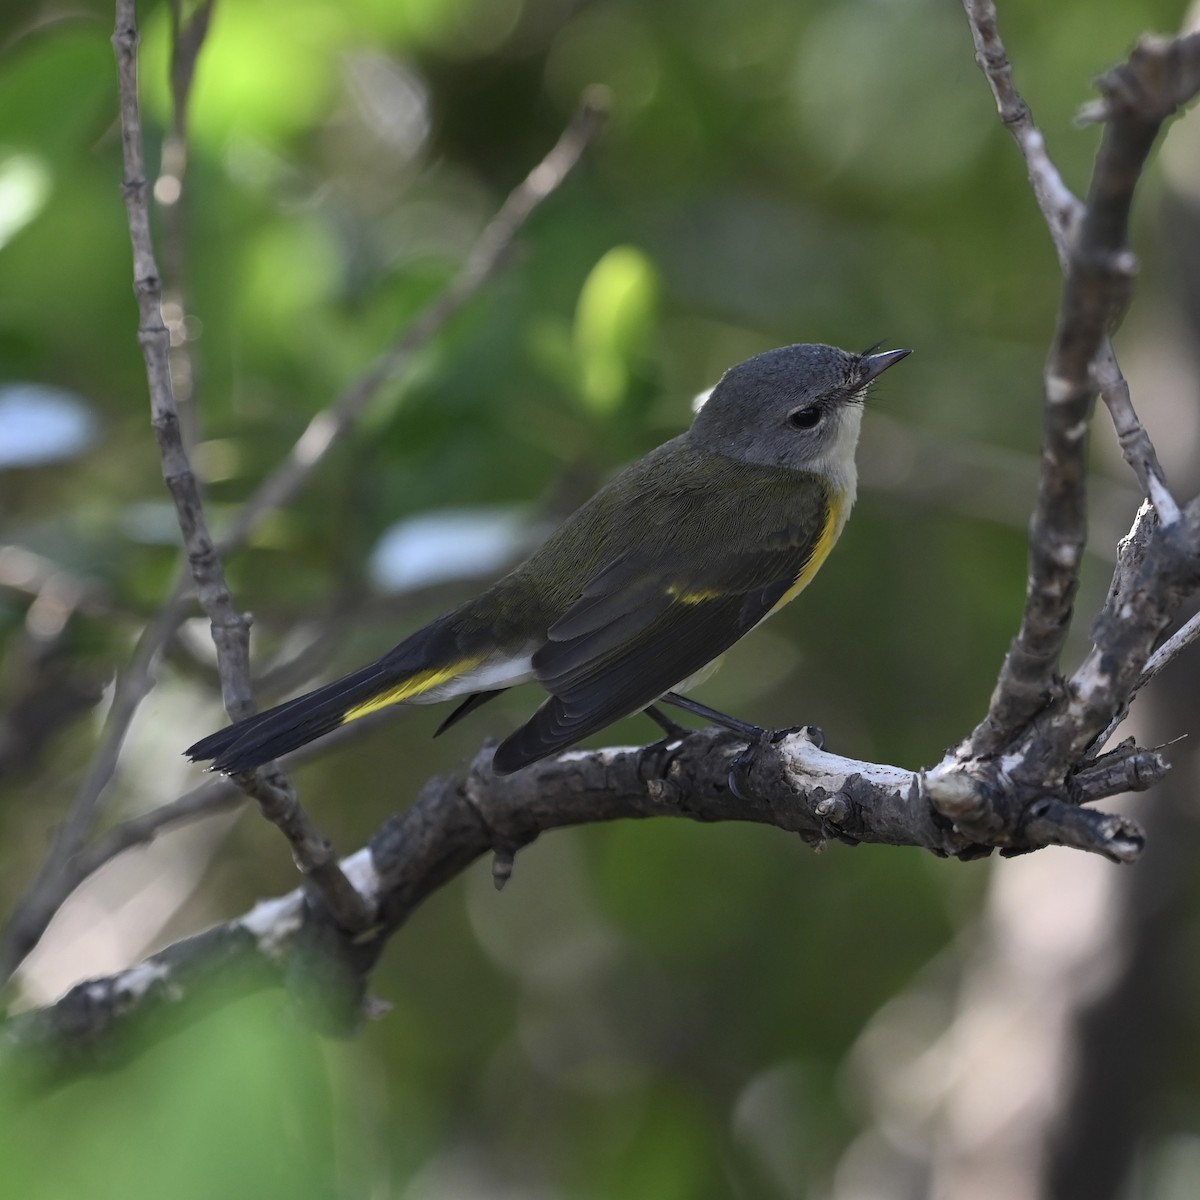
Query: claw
x=813, y=733
x=739, y=769
x=654, y=760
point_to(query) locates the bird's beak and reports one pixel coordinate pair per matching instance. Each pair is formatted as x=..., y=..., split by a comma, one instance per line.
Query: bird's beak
x=876, y=364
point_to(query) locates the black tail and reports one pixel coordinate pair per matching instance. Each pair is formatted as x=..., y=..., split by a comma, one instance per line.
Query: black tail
x=429, y=659
x=258, y=739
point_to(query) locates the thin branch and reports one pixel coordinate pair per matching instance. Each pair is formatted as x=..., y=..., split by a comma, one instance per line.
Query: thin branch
x=1061, y=209
x=65, y=871
x=1125, y=768
x=277, y=799
x=1136, y=447
x=29, y=920
x=1171, y=649
x=188, y=34
x=216, y=795
x=229, y=628
x=487, y=255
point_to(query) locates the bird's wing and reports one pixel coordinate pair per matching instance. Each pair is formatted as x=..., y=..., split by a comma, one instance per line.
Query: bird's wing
x=641, y=627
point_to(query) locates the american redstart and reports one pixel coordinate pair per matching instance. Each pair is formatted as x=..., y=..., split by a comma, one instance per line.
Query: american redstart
x=643, y=587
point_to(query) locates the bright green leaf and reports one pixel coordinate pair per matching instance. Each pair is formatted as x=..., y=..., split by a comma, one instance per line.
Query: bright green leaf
x=614, y=320
x=24, y=187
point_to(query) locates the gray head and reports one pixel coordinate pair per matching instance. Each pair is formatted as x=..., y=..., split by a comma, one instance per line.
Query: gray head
x=798, y=407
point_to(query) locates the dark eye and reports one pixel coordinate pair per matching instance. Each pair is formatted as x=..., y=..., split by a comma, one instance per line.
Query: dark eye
x=804, y=418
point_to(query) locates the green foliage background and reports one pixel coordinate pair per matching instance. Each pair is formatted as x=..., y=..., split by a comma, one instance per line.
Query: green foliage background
x=655, y=1010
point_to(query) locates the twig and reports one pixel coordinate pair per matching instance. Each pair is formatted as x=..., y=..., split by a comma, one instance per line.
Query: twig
x=1179, y=641
x=45, y=896
x=275, y=795
x=74, y=862
x=228, y=626
x=485, y=258
x=1136, y=447
x=1061, y=209
x=188, y=33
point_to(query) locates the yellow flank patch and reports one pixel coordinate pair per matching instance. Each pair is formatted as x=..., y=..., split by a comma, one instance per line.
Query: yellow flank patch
x=698, y=597
x=416, y=684
x=820, y=552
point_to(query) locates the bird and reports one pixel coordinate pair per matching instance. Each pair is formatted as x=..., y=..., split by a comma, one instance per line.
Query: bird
x=641, y=590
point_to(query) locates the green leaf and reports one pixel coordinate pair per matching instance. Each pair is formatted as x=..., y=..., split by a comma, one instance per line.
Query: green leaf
x=614, y=321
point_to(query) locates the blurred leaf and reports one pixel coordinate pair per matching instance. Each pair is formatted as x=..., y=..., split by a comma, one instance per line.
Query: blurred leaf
x=53, y=88
x=24, y=186
x=268, y=69
x=614, y=323
x=236, y=1106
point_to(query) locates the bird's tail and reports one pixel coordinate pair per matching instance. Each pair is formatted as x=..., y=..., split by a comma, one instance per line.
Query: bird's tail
x=426, y=662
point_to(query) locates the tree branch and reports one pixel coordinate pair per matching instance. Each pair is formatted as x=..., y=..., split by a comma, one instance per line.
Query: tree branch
x=276, y=797
x=1139, y=95
x=1061, y=209
x=794, y=786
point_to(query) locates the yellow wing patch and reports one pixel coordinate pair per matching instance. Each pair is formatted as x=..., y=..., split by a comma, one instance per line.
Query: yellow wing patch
x=416, y=684
x=701, y=596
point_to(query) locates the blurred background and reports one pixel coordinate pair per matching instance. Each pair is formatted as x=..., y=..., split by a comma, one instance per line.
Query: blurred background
x=652, y=1010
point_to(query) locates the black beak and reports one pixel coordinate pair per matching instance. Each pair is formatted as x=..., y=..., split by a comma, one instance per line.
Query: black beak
x=876, y=364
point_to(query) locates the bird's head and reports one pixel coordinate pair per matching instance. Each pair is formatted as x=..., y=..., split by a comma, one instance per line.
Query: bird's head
x=798, y=407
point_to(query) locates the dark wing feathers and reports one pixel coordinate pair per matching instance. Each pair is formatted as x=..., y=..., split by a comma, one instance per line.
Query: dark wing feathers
x=638, y=630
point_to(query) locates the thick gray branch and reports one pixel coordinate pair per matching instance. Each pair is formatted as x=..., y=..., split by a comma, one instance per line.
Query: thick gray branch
x=795, y=786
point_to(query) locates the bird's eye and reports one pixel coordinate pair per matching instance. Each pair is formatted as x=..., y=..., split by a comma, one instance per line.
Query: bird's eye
x=804, y=418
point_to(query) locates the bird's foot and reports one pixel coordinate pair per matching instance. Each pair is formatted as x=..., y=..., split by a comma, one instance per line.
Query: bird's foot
x=739, y=769
x=755, y=736
x=655, y=760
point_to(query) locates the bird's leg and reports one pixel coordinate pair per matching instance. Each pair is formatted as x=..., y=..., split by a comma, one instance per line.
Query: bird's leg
x=674, y=731
x=752, y=733
x=660, y=754
x=756, y=737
